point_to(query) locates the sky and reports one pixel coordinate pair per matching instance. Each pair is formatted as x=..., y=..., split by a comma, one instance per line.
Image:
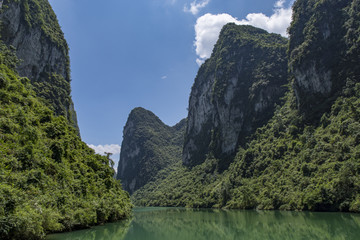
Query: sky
x=146, y=53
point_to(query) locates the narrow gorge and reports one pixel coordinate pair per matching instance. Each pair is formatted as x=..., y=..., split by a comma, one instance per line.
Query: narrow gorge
x=273, y=122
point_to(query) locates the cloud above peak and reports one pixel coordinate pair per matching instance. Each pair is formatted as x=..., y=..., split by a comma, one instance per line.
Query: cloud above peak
x=108, y=148
x=195, y=6
x=276, y=23
x=279, y=4
x=208, y=27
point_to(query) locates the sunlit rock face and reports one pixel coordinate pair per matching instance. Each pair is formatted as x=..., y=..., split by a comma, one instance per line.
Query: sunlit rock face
x=235, y=92
x=148, y=146
x=31, y=27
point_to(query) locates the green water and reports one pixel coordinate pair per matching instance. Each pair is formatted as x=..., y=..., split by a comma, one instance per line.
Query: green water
x=189, y=224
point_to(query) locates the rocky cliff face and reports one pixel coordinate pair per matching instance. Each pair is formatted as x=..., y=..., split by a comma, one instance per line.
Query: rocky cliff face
x=148, y=146
x=293, y=162
x=32, y=28
x=234, y=92
x=319, y=51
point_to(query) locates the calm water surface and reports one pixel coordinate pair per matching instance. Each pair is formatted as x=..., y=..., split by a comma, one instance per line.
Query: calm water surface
x=189, y=224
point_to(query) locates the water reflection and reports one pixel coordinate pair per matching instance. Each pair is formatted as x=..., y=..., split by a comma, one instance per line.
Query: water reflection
x=188, y=224
x=110, y=231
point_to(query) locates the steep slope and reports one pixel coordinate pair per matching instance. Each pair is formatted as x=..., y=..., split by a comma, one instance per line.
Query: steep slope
x=235, y=92
x=32, y=28
x=292, y=166
x=49, y=179
x=148, y=146
x=307, y=156
x=324, y=47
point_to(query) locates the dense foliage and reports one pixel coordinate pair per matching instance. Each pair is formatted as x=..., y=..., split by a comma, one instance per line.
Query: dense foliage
x=292, y=166
x=287, y=165
x=49, y=179
x=148, y=146
x=293, y=162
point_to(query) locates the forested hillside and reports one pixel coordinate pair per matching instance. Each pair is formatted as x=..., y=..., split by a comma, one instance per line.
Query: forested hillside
x=50, y=180
x=307, y=155
x=148, y=146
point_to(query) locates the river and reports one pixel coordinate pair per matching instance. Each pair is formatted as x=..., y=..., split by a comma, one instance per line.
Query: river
x=206, y=224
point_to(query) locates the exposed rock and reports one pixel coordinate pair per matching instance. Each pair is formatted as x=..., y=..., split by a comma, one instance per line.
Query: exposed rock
x=32, y=28
x=234, y=92
x=148, y=146
x=289, y=164
x=318, y=53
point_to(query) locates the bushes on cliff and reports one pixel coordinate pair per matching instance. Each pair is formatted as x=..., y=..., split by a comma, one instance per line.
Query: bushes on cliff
x=315, y=169
x=287, y=165
x=307, y=157
x=49, y=179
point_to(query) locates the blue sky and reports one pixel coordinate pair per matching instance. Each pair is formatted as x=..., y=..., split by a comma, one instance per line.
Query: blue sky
x=125, y=54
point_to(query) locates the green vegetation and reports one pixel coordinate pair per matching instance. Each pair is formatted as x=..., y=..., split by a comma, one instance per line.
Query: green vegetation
x=324, y=39
x=292, y=166
x=52, y=87
x=214, y=224
x=307, y=157
x=111, y=231
x=178, y=186
x=258, y=54
x=55, y=92
x=148, y=146
x=247, y=72
x=49, y=179
x=288, y=165
x=38, y=13
x=50, y=78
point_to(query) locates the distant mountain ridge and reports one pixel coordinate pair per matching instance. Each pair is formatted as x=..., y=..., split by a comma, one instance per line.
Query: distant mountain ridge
x=148, y=146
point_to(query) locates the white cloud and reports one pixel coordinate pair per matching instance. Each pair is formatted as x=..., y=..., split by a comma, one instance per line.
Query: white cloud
x=208, y=27
x=164, y=77
x=200, y=61
x=109, y=148
x=280, y=4
x=196, y=6
x=276, y=23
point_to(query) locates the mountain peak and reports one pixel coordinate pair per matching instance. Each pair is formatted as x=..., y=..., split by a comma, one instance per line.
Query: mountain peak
x=148, y=146
x=234, y=92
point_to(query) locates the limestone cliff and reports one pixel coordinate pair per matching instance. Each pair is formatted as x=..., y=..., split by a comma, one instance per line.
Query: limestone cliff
x=323, y=46
x=148, y=146
x=32, y=28
x=234, y=92
x=306, y=157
